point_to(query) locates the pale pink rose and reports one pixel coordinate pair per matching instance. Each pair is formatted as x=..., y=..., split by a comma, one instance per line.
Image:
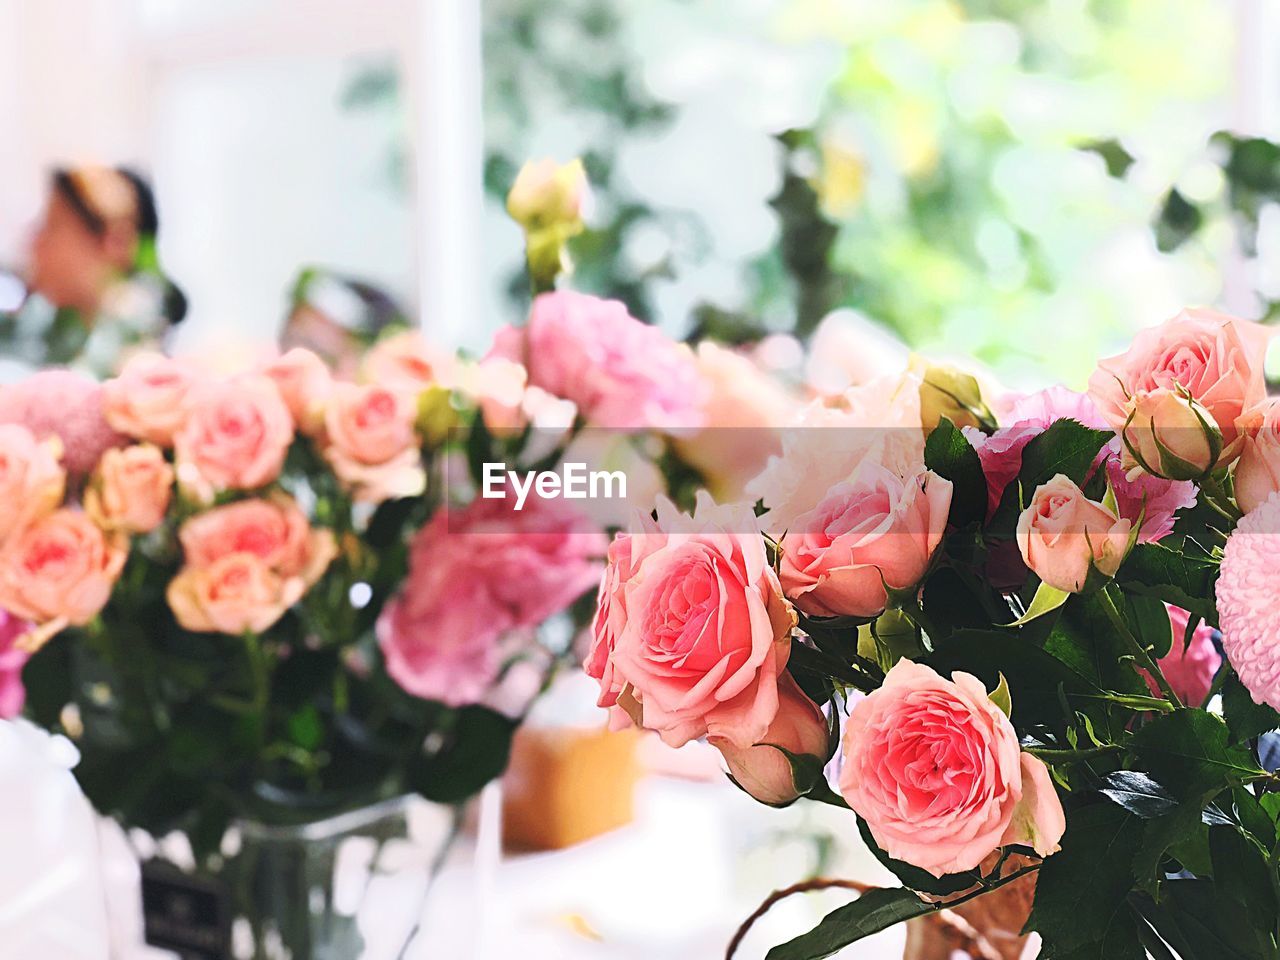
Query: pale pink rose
x=273, y=529
x=1063, y=535
x=304, y=382
x=476, y=575
x=743, y=412
x=620, y=373
x=59, y=571
x=1190, y=669
x=235, y=437
x=66, y=405
x=31, y=481
x=872, y=532
x=1257, y=473
x=406, y=361
x=148, y=400
x=1248, y=598
x=371, y=442
x=944, y=817
x=131, y=489
x=12, y=659
x=1213, y=359
x=764, y=770
x=704, y=630
x=1154, y=500
x=236, y=594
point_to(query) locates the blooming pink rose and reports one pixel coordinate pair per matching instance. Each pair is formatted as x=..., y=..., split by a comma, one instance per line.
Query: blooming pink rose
x=1257, y=473
x=148, y=400
x=620, y=373
x=406, y=361
x=304, y=382
x=66, y=405
x=31, y=481
x=934, y=768
x=868, y=533
x=1062, y=535
x=1247, y=601
x=371, y=443
x=131, y=489
x=59, y=572
x=235, y=437
x=1154, y=500
x=763, y=770
x=238, y=593
x=475, y=575
x=274, y=530
x=703, y=630
x=12, y=659
x=1190, y=669
x=1211, y=359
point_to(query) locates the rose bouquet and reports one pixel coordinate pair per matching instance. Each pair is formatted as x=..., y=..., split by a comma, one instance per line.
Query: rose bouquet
x=997, y=639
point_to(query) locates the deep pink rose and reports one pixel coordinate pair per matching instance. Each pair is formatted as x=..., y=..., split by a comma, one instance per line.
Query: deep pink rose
x=874, y=531
x=66, y=405
x=235, y=437
x=934, y=768
x=700, y=630
x=620, y=373
x=477, y=574
x=12, y=659
x=1190, y=669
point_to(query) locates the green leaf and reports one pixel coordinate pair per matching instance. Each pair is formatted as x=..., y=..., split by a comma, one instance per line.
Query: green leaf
x=914, y=877
x=474, y=752
x=1244, y=889
x=1191, y=919
x=948, y=453
x=1001, y=697
x=1046, y=600
x=1138, y=793
x=1180, y=833
x=1245, y=718
x=1190, y=753
x=1067, y=447
x=1174, y=571
x=872, y=912
x=1149, y=621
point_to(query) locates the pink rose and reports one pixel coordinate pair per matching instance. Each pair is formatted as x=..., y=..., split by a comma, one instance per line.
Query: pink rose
x=868, y=533
x=763, y=770
x=236, y=594
x=274, y=530
x=1190, y=669
x=406, y=361
x=703, y=630
x=131, y=489
x=1257, y=473
x=58, y=572
x=944, y=816
x=148, y=400
x=304, y=383
x=620, y=373
x=1198, y=363
x=12, y=659
x=475, y=575
x=1063, y=535
x=371, y=443
x=66, y=405
x=31, y=481
x=235, y=437
x=1154, y=500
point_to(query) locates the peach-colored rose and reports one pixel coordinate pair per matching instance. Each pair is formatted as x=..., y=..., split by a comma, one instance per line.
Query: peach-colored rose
x=867, y=534
x=1214, y=359
x=1063, y=535
x=237, y=593
x=148, y=401
x=1168, y=434
x=304, y=383
x=235, y=437
x=131, y=489
x=371, y=443
x=1257, y=473
x=705, y=632
x=274, y=530
x=935, y=770
x=59, y=572
x=406, y=361
x=31, y=481
x=764, y=770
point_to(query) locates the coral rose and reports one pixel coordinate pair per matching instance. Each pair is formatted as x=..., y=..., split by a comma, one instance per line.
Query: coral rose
x=236, y=594
x=1063, y=535
x=31, y=481
x=371, y=443
x=304, y=382
x=872, y=533
x=935, y=770
x=406, y=361
x=235, y=437
x=131, y=489
x=274, y=530
x=148, y=400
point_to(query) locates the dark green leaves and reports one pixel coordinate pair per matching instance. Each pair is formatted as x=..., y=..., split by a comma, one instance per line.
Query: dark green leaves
x=872, y=912
x=948, y=453
x=1183, y=576
x=1189, y=752
x=1245, y=718
x=474, y=752
x=914, y=877
x=1137, y=793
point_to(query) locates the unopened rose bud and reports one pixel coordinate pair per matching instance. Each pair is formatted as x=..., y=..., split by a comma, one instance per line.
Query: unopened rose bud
x=951, y=393
x=1169, y=434
x=436, y=415
x=547, y=194
x=764, y=770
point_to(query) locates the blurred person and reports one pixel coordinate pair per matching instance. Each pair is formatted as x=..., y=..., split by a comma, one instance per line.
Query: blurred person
x=93, y=285
x=337, y=318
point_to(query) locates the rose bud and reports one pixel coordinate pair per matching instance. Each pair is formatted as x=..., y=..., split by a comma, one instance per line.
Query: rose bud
x=546, y=194
x=1063, y=535
x=1169, y=434
x=764, y=770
